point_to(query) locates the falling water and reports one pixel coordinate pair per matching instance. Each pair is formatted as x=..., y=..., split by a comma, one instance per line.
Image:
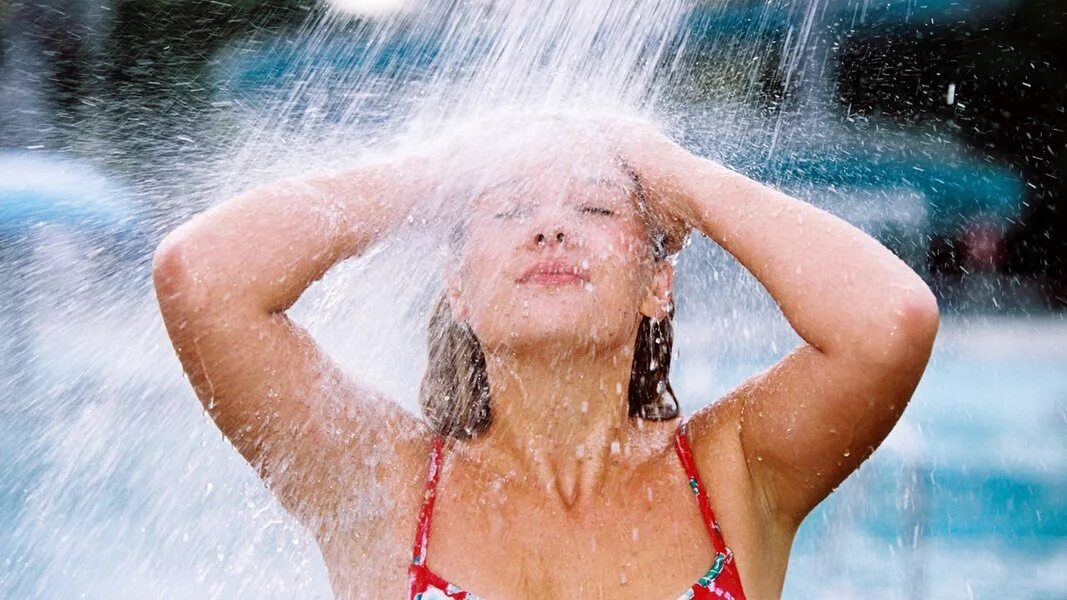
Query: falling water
x=115, y=484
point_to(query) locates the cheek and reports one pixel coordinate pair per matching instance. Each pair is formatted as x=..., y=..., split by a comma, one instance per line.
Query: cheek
x=621, y=239
x=485, y=266
x=622, y=257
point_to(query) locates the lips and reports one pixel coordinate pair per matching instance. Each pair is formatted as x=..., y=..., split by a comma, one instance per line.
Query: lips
x=554, y=272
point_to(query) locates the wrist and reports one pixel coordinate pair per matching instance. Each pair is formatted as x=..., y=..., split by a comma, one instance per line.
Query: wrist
x=698, y=180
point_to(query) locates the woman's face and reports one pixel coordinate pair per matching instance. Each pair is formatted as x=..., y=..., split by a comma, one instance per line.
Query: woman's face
x=559, y=260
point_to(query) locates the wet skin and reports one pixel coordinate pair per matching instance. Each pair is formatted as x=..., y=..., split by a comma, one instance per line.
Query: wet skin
x=564, y=491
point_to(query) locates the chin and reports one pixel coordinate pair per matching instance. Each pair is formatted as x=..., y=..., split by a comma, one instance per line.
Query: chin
x=557, y=329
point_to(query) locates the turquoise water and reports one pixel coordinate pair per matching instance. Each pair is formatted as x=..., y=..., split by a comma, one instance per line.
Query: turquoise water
x=968, y=496
x=980, y=511
x=120, y=487
x=114, y=484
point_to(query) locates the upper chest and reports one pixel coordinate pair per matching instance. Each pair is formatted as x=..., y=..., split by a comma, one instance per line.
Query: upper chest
x=642, y=538
x=646, y=539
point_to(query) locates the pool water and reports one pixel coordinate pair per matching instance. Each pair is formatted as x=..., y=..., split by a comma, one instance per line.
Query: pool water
x=968, y=496
x=116, y=485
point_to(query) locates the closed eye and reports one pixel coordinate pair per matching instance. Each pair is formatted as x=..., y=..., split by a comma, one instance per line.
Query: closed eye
x=597, y=210
x=511, y=213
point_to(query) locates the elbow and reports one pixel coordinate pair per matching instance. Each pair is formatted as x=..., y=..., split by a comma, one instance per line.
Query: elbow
x=914, y=325
x=920, y=309
x=172, y=274
x=908, y=331
x=167, y=259
x=918, y=321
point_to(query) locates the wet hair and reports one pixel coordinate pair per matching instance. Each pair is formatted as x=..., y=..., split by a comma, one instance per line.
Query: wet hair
x=455, y=395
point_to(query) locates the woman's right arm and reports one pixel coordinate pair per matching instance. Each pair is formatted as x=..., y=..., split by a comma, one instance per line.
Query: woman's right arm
x=224, y=281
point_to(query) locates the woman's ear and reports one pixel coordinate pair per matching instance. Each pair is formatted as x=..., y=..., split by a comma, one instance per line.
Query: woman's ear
x=460, y=312
x=657, y=303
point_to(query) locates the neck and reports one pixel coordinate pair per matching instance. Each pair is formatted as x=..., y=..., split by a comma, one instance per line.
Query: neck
x=559, y=420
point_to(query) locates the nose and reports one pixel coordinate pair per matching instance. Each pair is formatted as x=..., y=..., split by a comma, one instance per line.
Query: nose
x=548, y=227
x=542, y=240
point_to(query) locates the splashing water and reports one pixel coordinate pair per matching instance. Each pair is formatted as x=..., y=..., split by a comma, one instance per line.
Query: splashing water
x=115, y=484
x=446, y=62
x=120, y=486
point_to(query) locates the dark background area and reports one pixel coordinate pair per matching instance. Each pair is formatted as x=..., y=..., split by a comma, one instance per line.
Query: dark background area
x=1008, y=66
x=1011, y=76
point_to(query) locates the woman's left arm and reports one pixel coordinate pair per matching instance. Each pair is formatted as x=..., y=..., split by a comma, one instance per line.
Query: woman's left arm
x=868, y=322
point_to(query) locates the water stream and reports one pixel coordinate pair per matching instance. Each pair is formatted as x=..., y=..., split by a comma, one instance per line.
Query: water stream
x=115, y=484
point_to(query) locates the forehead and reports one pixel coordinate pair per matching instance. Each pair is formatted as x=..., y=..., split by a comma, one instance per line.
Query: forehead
x=558, y=187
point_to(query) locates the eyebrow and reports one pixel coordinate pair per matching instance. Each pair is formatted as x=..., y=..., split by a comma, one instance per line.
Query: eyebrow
x=506, y=182
x=601, y=181
x=604, y=181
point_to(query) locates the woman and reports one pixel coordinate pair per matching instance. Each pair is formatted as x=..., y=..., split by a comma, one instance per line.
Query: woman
x=551, y=460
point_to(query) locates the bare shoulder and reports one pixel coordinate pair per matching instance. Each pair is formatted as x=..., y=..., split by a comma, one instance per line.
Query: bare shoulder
x=366, y=523
x=746, y=519
x=712, y=438
x=366, y=534
x=714, y=434
x=371, y=470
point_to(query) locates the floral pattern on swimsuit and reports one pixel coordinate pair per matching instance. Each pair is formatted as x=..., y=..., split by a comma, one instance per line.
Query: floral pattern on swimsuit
x=722, y=580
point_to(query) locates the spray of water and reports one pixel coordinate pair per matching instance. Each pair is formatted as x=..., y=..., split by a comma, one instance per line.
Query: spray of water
x=126, y=475
x=125, y=489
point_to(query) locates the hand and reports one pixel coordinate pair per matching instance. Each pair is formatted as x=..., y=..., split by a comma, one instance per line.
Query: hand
x=659, y=165
x=434, y=175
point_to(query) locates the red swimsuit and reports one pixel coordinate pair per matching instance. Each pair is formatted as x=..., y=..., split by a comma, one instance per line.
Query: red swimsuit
x=721, y=581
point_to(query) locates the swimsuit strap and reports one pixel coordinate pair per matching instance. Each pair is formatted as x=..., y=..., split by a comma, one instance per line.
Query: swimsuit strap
x=685, y=455
x=681, y=446
x=422, y=532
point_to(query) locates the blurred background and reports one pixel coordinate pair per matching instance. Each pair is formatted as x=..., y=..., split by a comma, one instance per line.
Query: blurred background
x=938, y=126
